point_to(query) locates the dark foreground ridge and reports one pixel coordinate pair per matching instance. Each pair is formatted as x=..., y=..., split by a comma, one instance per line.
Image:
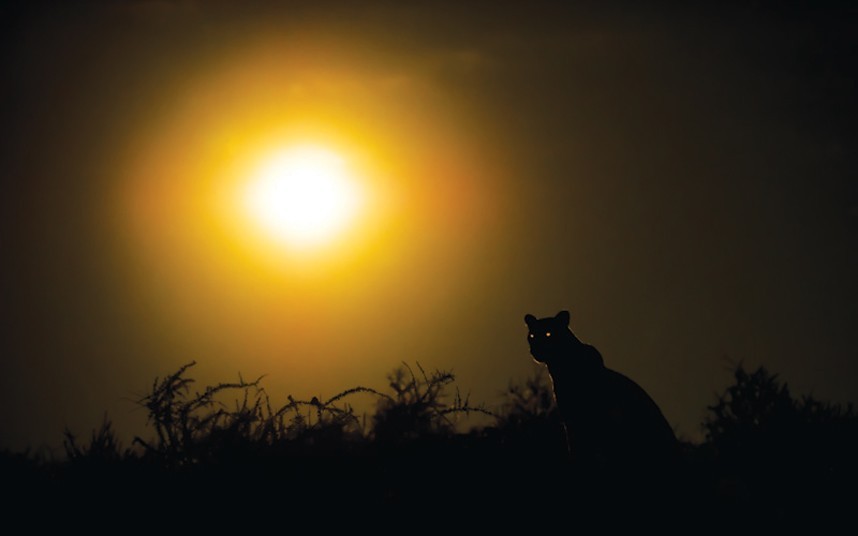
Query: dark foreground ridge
x=768, y=459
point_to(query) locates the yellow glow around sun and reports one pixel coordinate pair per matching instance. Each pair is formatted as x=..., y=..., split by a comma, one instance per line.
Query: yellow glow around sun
x=303, y=196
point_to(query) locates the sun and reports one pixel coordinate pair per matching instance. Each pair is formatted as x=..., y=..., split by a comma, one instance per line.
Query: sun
x=303, y=196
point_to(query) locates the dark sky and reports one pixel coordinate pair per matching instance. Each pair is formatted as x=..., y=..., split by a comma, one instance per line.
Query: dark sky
x=683, y=180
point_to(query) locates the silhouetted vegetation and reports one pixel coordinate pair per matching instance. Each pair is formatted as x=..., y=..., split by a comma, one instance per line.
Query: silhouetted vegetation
x=781, y=457
x=768, y=457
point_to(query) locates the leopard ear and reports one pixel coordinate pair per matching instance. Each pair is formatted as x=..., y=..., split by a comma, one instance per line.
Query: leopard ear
x=563, y=316
x=529, y=320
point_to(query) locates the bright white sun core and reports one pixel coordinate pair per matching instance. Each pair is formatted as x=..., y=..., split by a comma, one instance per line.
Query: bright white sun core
x=303, y=196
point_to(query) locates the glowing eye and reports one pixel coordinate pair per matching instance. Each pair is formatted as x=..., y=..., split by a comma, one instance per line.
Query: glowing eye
x=532, y=335
x=547, y=333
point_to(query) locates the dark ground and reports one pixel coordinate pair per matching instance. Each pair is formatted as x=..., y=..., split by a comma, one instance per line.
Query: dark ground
x=769, y=461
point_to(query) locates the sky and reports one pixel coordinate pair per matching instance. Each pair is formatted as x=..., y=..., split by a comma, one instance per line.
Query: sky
x=682, y=179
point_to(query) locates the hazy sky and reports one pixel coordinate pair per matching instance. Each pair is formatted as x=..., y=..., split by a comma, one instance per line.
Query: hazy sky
x=682, y=180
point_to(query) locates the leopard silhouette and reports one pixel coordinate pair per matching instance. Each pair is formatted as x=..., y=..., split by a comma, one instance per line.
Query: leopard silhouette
x=612, y=425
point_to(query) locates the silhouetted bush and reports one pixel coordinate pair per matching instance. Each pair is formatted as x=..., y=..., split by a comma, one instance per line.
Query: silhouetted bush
x=778, y=457
x=529, y=422
x=103, y=446
x=419, y=407
x=532, y=398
